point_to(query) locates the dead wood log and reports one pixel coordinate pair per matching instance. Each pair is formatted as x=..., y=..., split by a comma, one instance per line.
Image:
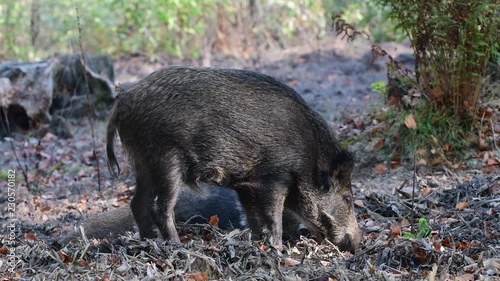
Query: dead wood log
x=32, y=92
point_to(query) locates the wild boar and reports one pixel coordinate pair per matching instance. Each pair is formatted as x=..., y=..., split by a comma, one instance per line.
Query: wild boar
x=184, y=126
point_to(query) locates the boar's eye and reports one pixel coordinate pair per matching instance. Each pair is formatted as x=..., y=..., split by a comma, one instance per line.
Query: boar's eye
x=342, y=176
x=324, y=181
x=347, y=199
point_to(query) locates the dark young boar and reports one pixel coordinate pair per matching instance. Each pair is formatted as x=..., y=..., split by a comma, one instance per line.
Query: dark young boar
x=192, y=207
x=183, y=126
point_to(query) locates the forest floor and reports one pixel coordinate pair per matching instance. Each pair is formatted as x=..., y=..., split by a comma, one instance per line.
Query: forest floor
x=461, y=206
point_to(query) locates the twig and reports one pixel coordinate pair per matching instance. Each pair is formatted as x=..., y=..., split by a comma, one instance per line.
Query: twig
x=364, y=251
x=413, y=191
x=451, y=173
x=89, y=103
x=400, y=191
x=494, y=136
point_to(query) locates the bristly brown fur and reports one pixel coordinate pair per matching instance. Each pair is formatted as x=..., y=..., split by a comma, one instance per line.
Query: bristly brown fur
x=237, y=128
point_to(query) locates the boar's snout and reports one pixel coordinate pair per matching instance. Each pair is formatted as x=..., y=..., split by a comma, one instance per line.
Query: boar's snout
x=351, y=241
x=353, y=236
x=346, y=233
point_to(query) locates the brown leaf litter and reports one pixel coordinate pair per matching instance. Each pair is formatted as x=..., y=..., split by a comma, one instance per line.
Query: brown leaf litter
x=460, y=244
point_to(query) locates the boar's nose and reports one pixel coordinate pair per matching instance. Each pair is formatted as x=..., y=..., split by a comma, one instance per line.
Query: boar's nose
x=347, y=244
x=351, y=242
x=352, y=238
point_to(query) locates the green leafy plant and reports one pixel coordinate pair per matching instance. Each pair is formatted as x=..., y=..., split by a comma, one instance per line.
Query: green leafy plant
x=453, y=42
x=4, y=175
x=423, y=231
x=438, y=138
x=379, y=87
x=30, y=31
x=366, y=16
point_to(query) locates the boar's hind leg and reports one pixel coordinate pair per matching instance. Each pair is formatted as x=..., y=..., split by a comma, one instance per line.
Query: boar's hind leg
x=264, y=210
x=142, y=203
x=169, y=184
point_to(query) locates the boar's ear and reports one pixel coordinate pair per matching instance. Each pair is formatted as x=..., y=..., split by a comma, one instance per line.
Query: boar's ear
x=342, y=164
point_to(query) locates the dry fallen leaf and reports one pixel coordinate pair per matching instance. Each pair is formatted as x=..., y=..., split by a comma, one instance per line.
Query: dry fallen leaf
x=435, y=140
x=421, y=162
x=123, y=199
x=396, y=160
x=435, y=94
x=113, y=260
x=410, y=122
x=485, y=113
x=88, y=157
x=492, y=161
x=437, y=246
x=45, y=208
x=379, y=145
x=374, y=132
x=436, y=161
x=489, y=169
x=184, y=239
x=30, y=236
x=159, y=263
x=380, y=169
x=396, y=231
x=125, y=171
x=462, y=205
x=483, y=145
x=426, y=190
x=64, y=257
x=325, y=263
x=465, y=245
x=214, y=221
x=291, y=262
x=200, y=276
x=214, y=249
x=446, y=242
x=359, y=203
x=4, y=251
x=422, y=152
x=392, y=101
x=82, y=263
x=420, y=253
x=447, y=147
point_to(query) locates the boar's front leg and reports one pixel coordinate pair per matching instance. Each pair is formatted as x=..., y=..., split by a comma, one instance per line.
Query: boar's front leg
x=264, y=210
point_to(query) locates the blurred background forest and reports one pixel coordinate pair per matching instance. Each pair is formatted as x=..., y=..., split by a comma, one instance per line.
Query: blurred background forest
x=454, y=44
x=32, y=30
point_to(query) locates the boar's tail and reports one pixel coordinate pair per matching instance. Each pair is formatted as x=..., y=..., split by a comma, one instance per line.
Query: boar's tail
x=110, y=151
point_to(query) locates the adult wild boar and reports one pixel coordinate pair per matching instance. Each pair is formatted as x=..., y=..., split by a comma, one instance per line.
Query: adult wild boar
x=183, y=126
